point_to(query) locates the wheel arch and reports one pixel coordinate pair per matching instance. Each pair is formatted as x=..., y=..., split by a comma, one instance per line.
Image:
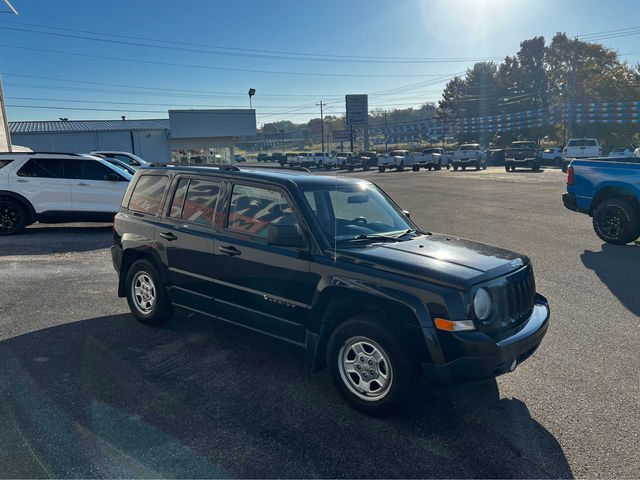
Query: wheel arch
x=338, y=304
x=613, y=191
x=33, y=216
x=129, y=257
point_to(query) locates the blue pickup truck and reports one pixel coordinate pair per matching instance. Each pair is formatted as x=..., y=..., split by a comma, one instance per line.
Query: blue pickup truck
x=609, y=191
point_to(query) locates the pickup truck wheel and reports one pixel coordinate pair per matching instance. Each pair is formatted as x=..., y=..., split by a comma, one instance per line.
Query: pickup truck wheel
x=464, y=168
x=477, y=166
x=350, y=168
x=415, y=168
x=370, y=366
x=366, y=167
x=455, y=168
x=381, y=169
x=438, y=167
x=616, y=221
x=146, y=295
x=484, y=167
x=507, y=168
x=400, y=167
x=535, y=168
x=320, y=165
x=13, y=217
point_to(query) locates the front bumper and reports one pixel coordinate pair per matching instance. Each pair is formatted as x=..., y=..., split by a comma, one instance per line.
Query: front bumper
x=526, y=162
x=465, y=161
x=485, y=358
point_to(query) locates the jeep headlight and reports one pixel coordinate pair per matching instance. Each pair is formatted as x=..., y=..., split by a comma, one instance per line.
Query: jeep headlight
x=482, y=304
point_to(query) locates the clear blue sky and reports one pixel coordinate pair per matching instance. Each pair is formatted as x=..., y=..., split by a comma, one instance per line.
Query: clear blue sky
x=456, y=29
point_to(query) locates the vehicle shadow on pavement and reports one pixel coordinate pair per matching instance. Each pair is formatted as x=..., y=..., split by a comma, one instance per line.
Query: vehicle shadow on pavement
x=617, y=266
x=109, y=397
x=45, y=240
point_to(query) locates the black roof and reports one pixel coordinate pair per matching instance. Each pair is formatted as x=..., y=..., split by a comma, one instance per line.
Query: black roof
x=281, y=176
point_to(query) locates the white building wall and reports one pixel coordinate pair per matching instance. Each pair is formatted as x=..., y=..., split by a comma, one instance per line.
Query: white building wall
x=152, y=145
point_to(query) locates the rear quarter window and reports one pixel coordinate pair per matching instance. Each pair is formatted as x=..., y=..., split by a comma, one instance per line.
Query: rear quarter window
x=4, y=162
x=147, y=194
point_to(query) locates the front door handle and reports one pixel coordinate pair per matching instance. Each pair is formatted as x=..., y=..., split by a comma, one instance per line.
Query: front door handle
x=83, y=184
x=230, y=250
x=168, y=236
x=22, y=180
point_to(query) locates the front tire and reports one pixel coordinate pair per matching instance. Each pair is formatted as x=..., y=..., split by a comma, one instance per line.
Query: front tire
x=370, y=366
x=381, y=169
x=400, y=167
x=455, y=168
x=13, y=217
x=507, y=168
x=617, y=221
x=415, y=168
x=146, y=294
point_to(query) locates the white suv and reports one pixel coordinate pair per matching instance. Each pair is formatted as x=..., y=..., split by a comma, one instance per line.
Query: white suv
x=57, y=188
x=130, y=158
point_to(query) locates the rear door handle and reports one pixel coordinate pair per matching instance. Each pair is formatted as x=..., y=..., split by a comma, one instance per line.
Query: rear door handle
x=82, y=184
x=168, y=236
x=230, y=250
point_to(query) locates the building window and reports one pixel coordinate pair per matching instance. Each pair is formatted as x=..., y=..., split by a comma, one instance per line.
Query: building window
x=202, y=156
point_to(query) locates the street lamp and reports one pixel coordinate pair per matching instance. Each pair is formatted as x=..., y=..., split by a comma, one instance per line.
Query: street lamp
x=252, y=92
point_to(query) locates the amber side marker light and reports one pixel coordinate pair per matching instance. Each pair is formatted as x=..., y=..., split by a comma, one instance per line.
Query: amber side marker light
x=454, y=326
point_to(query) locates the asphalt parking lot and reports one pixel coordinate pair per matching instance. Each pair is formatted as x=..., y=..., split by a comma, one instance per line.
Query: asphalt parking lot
x=86, y=391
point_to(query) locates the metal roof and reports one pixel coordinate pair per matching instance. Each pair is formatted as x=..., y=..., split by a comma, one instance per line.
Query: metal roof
x=59, y=126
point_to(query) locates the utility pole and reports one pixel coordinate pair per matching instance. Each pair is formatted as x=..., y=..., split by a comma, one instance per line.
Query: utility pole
x=444, y=123
x=321, y=125
x=386, y=134
x=351, y=138
x=571, y=109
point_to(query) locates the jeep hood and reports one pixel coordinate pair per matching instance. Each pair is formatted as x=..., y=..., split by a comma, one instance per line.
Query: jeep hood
x=436, y=258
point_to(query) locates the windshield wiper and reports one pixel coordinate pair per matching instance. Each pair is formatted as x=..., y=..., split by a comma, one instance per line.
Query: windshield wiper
x=382, y=238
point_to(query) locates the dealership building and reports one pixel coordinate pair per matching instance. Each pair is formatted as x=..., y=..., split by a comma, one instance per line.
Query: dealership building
x=187, y=136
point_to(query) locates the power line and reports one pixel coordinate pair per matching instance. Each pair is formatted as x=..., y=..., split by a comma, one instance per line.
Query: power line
x=209, y=67
x=285, y=54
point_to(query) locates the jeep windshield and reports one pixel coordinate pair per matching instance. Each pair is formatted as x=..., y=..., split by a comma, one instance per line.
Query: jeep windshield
x=358, y=212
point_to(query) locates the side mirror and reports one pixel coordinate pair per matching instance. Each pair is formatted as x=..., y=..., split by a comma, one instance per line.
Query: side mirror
x=407, y=213
x=285, y=236
x=112, y=177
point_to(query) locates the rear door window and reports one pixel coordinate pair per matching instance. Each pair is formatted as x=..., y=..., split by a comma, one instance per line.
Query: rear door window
x=195, y=201
x=43, y=168
x=147, y=194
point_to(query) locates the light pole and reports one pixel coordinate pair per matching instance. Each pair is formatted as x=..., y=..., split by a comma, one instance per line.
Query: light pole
x=321, y=125
x=252, y=92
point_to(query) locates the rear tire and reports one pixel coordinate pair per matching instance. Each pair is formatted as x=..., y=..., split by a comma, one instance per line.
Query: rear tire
x=477, y=167
x=415, y=168
x=363, y=345
x=464, y=168
x=146, y=295
x=14, y=217
x=381, y=169
x=455, y=168
x=507, y=168
x=536, y=168
x=438, y=167
x=400, y=167
x=617, y=221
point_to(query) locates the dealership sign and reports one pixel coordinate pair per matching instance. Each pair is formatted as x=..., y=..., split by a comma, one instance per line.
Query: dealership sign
x=341, y=135
x=357, y=110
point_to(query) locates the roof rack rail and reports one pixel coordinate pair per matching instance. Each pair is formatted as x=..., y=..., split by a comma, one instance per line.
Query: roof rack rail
x=229, y=168
x=281, y=167
x=45, y=153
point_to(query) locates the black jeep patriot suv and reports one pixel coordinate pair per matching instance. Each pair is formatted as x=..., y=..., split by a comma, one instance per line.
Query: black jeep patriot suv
x=332, y=265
